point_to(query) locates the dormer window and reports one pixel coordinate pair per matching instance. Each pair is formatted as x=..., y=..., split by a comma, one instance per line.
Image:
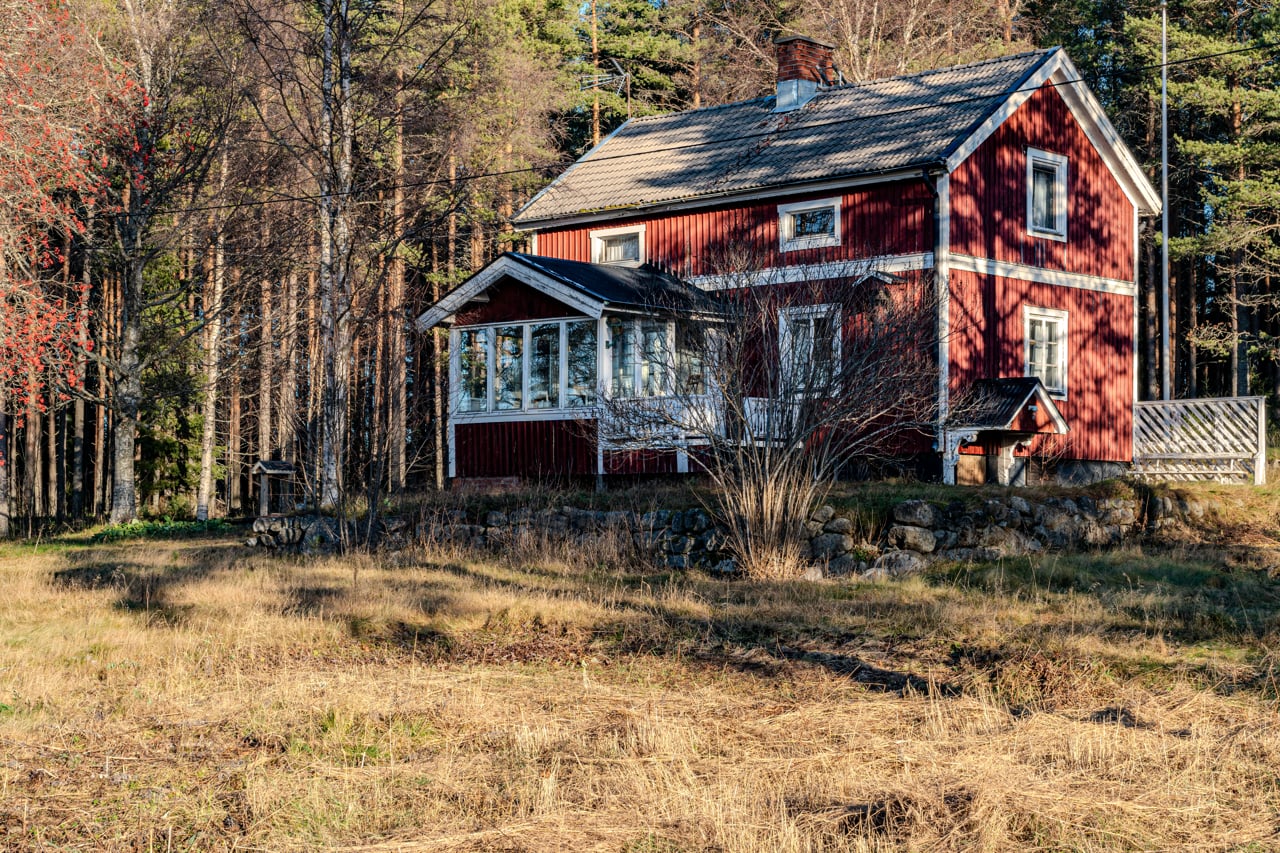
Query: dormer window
x=809, y=224
x=621, y=246
x=1046, y=194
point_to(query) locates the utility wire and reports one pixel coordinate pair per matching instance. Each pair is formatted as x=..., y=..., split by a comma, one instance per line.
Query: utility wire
x=291, y=199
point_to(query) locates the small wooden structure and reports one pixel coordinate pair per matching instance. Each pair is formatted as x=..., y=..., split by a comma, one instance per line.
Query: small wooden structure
x=273, y=469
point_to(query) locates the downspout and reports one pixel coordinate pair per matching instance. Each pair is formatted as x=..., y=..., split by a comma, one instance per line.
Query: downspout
x=938, y=183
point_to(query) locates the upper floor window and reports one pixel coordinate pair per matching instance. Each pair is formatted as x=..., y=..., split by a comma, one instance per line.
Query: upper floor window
x=809, y=346
x=1046, y=338
x=622, y=246
x=1046, y=194
x=809, y=224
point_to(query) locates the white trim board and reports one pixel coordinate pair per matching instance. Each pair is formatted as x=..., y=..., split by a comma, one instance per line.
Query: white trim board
x=816, y=272
x=1042, y=275
x=583, y=413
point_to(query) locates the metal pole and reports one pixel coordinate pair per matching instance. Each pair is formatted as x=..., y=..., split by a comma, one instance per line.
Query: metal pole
x=1165, y=383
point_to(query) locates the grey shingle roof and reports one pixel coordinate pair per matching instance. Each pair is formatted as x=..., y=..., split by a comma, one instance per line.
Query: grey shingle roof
x=857, y=129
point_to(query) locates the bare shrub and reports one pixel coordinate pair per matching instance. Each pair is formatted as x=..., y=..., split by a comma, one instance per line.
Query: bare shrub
x=778, y=387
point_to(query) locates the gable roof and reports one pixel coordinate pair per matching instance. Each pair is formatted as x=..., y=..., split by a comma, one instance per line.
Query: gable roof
x=997, y=403
x=589, y=288
x=860, y=130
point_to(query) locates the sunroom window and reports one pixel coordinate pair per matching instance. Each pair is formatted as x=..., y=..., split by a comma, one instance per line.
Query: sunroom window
x=473, y=372
x=508, y=380
x=655, y=358
x=513, y=367
x=544, y=366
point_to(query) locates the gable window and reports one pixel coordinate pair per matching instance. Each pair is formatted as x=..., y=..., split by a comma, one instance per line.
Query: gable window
x=1046, y=341
x=621, y=246
x=809, y=224
x=1046, y=194
x=809, y=346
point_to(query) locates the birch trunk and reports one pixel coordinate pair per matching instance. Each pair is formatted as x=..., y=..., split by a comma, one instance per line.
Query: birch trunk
x=214, y=271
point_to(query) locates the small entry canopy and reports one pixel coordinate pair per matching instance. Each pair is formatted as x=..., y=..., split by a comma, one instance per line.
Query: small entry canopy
x=1005, y=412
x=264, y=470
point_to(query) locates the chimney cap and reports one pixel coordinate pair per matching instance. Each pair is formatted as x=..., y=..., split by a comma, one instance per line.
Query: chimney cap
x=810, y=39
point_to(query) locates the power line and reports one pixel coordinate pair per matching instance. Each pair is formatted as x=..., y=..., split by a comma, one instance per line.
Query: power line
x=292, y=199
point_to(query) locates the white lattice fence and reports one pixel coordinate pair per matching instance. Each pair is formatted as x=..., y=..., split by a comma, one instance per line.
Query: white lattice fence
x=1222, y=439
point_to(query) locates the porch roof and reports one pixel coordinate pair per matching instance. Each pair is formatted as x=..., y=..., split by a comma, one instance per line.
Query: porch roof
x=590, y=288
x=999, y=404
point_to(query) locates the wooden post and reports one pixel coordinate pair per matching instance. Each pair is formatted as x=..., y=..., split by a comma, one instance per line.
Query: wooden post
x=264, y=494
x=1260, y=463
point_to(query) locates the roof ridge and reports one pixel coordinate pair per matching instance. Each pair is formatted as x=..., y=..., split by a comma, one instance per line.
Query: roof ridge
x=945, y=70
x=655, y=116
x=856, y=83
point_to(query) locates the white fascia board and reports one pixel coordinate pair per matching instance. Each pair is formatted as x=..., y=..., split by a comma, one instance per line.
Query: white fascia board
x=1044, y=399
x=1042, y=275
x=1017, y=98
x=1106, y=140
x=715, y=199
x=860, y=268
x=505, y=266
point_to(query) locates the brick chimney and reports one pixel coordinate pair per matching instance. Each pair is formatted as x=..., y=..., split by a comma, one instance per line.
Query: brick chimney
x=803, y=64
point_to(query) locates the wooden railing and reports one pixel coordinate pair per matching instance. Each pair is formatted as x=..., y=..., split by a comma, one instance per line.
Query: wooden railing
x=1222, y=439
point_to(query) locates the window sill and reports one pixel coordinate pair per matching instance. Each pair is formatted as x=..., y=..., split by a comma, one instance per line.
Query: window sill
x=1058, y=236
x=801, y=244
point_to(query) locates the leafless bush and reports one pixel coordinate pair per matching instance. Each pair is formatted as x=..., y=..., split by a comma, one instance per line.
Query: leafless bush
x=777, y=387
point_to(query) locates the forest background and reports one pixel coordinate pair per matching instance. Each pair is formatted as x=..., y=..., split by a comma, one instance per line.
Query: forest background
x=218, y=219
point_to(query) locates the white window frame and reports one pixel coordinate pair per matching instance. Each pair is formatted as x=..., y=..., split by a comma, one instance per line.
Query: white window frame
x=786, y=319
x=1050, y=315
x=1058, y=163
x=600, y=235
x=526, y=411
x=631, y=328
x=787, y=239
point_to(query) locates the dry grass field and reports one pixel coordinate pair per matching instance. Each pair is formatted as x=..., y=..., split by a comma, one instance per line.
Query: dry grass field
x=181, y=695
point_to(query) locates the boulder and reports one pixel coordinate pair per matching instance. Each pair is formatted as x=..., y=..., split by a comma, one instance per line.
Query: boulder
x=912, y=538
x=838, y=525
x=813, y=572
x=824, y=513
x=896, y=564
x=841, y=566
x=830, y=545
x=915, y=513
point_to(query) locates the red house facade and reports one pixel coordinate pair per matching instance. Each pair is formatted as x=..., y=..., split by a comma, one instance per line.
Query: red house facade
x=1003, y=181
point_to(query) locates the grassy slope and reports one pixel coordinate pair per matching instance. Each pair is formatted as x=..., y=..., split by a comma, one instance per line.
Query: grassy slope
x=198, y=695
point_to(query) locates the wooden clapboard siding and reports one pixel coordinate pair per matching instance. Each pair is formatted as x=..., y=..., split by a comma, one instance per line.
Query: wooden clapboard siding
x=989, y=197
x=639, y=462
x=512, y=301
x=532, y=449
x=885, y=219
x=988, y=341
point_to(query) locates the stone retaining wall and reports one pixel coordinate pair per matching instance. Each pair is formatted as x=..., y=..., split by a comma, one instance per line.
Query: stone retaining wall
x=919, y=532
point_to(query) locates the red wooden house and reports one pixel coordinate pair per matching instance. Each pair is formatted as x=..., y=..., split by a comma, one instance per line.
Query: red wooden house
x=1003, y=179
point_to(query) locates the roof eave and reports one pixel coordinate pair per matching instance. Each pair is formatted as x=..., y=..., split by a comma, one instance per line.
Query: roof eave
x=709, y=199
